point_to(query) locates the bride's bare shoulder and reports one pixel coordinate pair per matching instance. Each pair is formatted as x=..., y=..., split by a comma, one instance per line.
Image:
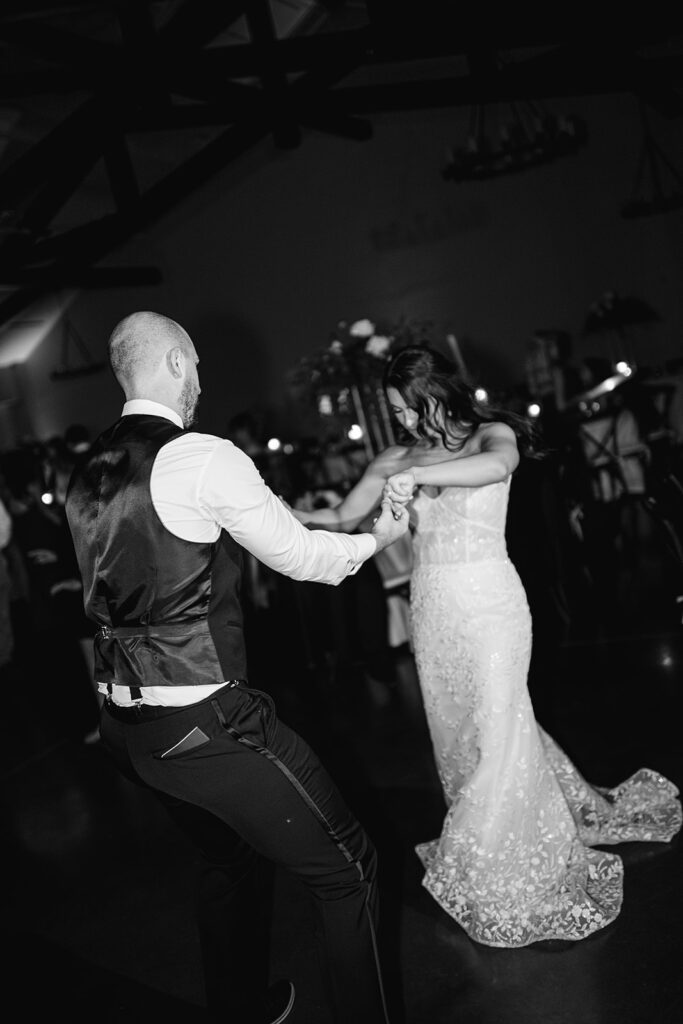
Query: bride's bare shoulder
x=488, y=433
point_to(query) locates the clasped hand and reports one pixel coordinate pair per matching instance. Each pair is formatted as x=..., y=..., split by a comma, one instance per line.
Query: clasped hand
x=399, y=490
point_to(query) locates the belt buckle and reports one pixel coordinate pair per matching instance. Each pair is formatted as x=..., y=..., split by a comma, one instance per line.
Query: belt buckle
x=106, y=632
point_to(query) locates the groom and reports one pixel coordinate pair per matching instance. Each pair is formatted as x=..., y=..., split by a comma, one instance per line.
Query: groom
x=159, y=516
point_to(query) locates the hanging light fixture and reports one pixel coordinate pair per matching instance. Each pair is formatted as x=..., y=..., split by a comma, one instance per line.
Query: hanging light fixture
x=505, y=138
x=658, y=184
x=526, y=137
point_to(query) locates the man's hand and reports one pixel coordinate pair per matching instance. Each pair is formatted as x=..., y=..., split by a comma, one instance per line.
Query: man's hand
x=399, y=488
x=391, y=523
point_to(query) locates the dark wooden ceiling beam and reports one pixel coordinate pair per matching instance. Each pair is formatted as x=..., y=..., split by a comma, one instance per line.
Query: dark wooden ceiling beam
x=306, y=53
x=396, y=23
x=667, y=69
x=73, y=147
x=300, y=53
x=132, y=74
x=321, y=114
x=198, y=80
x=141, y=52
x=138, y=69
x=75, y=276
x=537, y=77
x=182, y=117
x=590, y=68
x=90, y=58
x=311, y=99
x=27, y=172
x=30, y=10
x=123, y=180
x=32, y=219
x=509, y=85
x=90, y=242
x=84, y=246
x=23, y=84
x=286, y=133
x=80, y=71
x=308, y=99
x=330, y=122
x=135, y=84
x=60, y=184
x=197, y=22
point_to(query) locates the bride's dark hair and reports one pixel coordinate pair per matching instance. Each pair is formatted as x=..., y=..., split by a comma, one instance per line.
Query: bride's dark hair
x=428, y=382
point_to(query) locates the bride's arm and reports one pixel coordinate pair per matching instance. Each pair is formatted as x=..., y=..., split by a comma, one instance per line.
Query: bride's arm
x=496, y=459
x=361, y=500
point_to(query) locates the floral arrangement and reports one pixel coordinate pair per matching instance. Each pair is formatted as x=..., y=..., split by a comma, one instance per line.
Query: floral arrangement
x=343, y=381
x=357, y=352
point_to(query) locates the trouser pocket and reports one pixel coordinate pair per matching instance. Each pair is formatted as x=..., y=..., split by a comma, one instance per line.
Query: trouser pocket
x=247, y=714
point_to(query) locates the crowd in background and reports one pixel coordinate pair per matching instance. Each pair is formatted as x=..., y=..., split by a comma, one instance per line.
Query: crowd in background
x=595, y=525
x=579, y=516
x=44, y=634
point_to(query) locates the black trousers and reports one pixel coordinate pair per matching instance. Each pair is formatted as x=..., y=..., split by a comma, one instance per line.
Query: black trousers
x=249, y=792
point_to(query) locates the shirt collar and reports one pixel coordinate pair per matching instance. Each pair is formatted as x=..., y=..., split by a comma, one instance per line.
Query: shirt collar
x=146, y=407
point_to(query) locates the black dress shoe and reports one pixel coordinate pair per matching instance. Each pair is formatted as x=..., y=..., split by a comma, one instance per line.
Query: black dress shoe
x=279, y=1002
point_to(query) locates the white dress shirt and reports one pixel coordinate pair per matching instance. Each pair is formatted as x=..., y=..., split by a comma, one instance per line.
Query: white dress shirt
x=201, y=484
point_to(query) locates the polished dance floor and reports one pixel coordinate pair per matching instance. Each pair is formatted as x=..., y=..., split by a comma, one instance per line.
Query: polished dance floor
x=97, y=907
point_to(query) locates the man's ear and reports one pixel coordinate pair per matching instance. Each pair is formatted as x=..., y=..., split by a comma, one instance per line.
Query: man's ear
x=175, y=361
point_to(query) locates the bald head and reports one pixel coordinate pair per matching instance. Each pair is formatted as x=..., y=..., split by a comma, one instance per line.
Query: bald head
x=138, y=346
x=153, y=357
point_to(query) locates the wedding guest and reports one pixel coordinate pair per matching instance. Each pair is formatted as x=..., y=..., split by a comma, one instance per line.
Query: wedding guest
x=67, y=592
x=52, y=621
x=77, y=440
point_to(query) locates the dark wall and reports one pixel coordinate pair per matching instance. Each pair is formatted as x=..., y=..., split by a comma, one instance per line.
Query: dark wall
x=261, y=264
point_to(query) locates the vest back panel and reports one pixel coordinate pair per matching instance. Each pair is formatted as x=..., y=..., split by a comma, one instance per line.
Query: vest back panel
x=183, y=596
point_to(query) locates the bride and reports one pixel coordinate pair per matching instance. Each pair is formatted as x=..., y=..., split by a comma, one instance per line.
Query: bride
x=515, y=862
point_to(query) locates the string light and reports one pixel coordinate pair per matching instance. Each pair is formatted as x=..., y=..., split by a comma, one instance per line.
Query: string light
x=355, y=432
x=533, y=410
x=274, y=444
x=481, y=394
x=624, y=368
x=666, y=658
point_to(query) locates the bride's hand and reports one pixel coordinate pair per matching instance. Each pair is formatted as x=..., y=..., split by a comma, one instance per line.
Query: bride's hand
x=399, y=487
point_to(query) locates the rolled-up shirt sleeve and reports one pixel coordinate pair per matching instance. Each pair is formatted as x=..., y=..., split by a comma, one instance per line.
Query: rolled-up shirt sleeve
x=232, y=490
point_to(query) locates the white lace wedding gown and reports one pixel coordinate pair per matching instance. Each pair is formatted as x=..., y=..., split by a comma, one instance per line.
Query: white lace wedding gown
x=514, y=863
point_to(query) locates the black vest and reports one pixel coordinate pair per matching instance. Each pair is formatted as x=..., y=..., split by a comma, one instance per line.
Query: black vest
x=168, y=610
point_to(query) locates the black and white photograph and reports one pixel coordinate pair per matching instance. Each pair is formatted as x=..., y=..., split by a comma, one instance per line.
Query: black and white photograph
x=341, y=512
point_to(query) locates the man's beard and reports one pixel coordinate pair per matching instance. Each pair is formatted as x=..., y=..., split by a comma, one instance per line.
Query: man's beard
x=189, y=398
